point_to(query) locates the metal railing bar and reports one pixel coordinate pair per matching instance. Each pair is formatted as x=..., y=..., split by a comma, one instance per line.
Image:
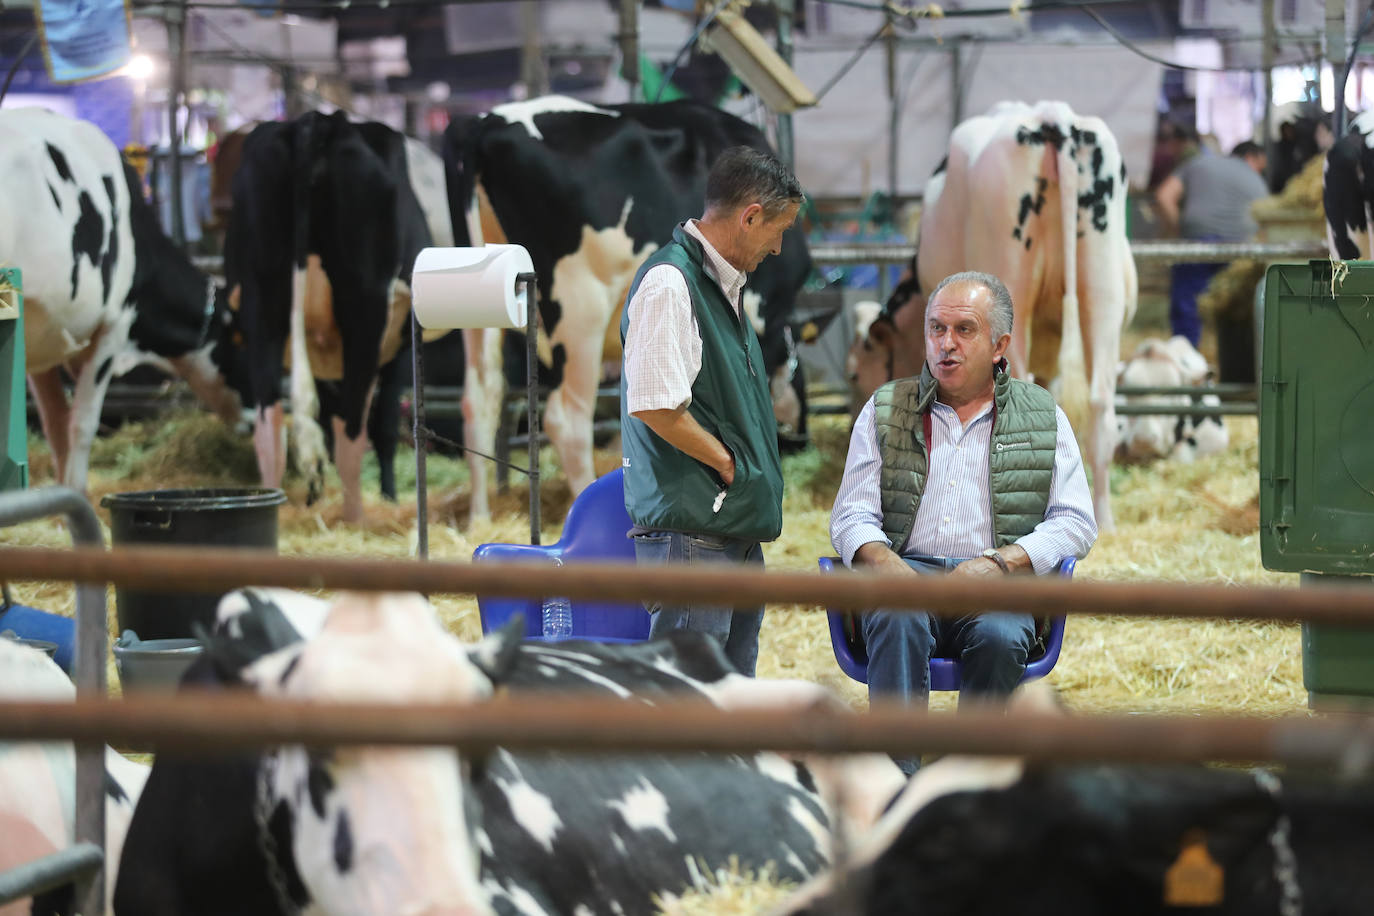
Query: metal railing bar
x=202, y=569
x=216, y=722
x=88, y=661
x=1166, y=251
x=51, y=871
x=1233, y=408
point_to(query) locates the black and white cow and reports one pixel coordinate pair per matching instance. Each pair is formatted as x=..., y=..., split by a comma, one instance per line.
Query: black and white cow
x=978, y=837
x=321, y=195
x=1348, y=192
x=425, y=171
x=104, y=289
x=1172, y=363
x=591, y=192
x=1036, y=196
x=422, y=831
x=38, y=784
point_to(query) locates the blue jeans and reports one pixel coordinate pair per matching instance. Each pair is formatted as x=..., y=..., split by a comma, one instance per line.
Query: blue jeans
x=1186, y=283
x=991, y=647
x=736, y=629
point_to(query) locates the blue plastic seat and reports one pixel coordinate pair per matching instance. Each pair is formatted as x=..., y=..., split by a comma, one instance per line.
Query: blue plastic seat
x=597, y=529
x=847, y=641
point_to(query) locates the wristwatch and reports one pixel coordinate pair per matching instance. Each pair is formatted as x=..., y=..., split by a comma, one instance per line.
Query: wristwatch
x=992, y=554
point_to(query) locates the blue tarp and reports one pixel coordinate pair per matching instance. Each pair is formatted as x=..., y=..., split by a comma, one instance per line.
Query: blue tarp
x=83, y=39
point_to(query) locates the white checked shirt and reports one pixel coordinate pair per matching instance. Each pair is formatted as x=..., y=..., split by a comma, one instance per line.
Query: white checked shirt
x=954, y=518
x=663, y=344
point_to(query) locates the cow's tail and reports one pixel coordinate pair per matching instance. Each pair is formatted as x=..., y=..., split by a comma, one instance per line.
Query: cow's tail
x=460, y=178
x=1073, y=372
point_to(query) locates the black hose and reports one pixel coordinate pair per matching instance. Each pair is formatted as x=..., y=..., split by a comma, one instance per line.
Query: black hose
x=14, y=67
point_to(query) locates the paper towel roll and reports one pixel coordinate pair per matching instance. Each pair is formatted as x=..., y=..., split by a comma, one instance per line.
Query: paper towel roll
x=470, y=287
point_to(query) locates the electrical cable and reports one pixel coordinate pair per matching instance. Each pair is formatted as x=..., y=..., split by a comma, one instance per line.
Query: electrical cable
x=14, y=67
x=849, y=64
x=1135, y=49
x=677, y=58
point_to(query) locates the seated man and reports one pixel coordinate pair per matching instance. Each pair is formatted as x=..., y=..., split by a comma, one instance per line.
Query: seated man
x=962, y=470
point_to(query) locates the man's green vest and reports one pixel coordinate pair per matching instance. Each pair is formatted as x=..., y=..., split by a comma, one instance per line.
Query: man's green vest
x=1020, y=457
x=667, y=489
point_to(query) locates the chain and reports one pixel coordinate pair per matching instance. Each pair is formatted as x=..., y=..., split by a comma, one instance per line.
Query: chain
x=262, y=807
x=1285, y=862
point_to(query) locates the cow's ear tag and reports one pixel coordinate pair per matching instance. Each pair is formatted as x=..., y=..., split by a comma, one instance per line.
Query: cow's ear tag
x=1195, y=878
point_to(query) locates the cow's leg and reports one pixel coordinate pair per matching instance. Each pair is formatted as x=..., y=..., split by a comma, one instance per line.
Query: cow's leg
x=484, y=389
x=269, y=442
x=384, y=421
x=54, y=415
x=305, y=404
x=264, y=311
x=1108, y=296
x=568, y=414
x=348, y=458
x=93, y=372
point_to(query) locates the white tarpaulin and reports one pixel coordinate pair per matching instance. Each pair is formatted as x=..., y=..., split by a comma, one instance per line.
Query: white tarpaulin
x=842, y=143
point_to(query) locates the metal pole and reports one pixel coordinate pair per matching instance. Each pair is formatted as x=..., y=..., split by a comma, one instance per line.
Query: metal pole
x=1166, y=251
x=88, y=664
x=956, y=84
x=786, y=142
x=176, y=89
x=1335, y=54
x=291, y=92
x=532, y=71
x=629, y=45
x=49, y=872
x=532, y=393
x=420, y=436
x=1267, y=65
x=214, y=722
x=893, y=115
x=203, y=569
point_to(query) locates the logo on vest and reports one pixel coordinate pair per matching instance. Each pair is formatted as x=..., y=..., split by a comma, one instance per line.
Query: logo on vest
x=1004, y=445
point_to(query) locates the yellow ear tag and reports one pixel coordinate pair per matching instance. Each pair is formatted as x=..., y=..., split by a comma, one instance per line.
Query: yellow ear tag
x=1195, y=879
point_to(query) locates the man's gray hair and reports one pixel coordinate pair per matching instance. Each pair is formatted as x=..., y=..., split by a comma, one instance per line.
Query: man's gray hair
x=1000, y=314
x=743, y=176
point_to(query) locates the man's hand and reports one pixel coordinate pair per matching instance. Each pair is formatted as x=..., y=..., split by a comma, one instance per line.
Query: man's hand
x=728, y=473
x=978, y=568
x=880, y=558
x=682, y=431
x=1018, y=561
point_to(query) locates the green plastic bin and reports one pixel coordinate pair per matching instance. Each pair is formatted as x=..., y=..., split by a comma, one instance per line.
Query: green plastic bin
x=14, y=455
x=1317, y=454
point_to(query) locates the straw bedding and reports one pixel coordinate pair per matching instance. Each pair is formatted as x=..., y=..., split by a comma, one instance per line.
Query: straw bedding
x=1184, y=523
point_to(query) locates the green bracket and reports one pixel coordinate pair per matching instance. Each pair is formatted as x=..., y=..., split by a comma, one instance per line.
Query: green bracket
x=14, y=457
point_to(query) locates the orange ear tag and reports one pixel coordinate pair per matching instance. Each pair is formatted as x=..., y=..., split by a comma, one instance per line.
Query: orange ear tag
x=1195, y=879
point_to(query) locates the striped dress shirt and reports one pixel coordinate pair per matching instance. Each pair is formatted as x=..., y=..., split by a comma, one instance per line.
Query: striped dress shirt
x=663, y=345
x=954, y=518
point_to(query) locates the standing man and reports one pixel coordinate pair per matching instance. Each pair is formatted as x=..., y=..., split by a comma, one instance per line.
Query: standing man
x=703, y=480
x=962, y=470
x=1207, y=199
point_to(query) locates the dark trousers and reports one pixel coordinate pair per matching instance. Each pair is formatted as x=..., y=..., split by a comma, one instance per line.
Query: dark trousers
x=991, y=648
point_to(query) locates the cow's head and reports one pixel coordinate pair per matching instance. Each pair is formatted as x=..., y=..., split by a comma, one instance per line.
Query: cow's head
x=1157, y=364
x=888, y=341
x=376, y=830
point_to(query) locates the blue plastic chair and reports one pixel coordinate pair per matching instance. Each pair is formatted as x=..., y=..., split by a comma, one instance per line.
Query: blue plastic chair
x=846, y=639
x=597, y=529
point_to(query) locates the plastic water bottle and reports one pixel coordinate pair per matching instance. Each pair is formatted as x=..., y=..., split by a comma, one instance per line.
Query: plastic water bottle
x=557, y=615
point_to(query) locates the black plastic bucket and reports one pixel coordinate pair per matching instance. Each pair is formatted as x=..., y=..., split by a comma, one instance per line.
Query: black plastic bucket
x=207, y=517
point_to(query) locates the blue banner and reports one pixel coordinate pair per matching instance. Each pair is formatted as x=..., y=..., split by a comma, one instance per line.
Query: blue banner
x=83, y=39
